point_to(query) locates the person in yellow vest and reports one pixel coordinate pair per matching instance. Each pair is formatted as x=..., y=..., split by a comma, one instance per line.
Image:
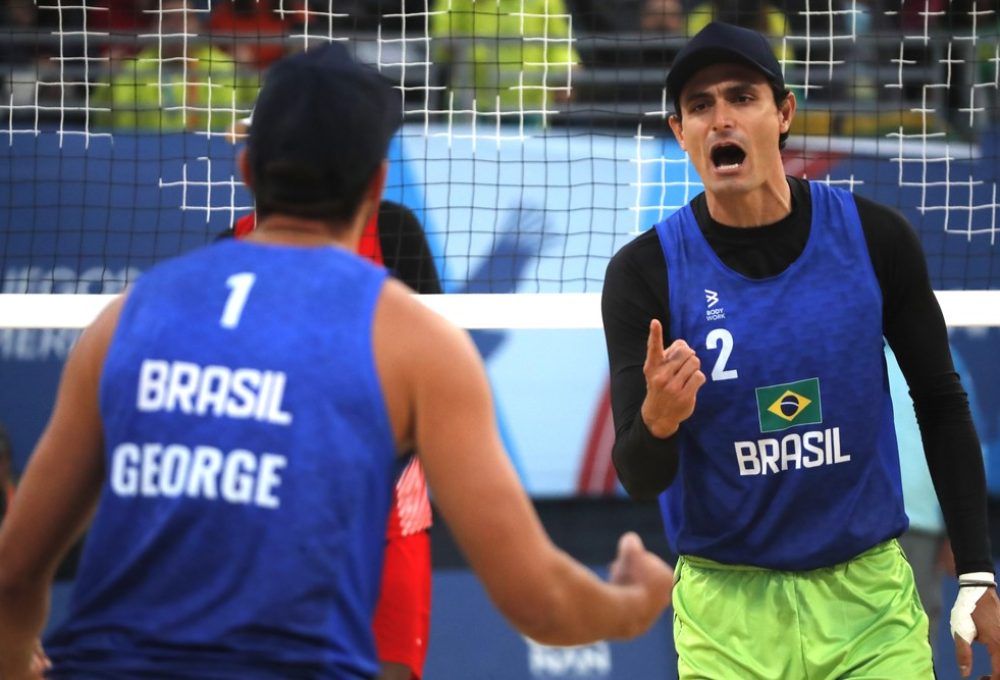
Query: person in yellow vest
x=505, y=55
x=175, y=84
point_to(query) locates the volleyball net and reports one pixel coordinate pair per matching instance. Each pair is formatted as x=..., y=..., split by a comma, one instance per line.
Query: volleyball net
x=535, y=140
x=535, y=144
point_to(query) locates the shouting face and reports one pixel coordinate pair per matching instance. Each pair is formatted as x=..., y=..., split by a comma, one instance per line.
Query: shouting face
x=729, y=124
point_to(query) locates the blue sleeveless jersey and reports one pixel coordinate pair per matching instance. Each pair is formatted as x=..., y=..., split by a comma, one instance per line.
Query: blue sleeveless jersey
x=789, y=460
x=250, y=464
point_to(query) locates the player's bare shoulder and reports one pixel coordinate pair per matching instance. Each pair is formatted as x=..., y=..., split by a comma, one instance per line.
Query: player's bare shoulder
x=95, y=339
x=419, y=354
x=412, y=326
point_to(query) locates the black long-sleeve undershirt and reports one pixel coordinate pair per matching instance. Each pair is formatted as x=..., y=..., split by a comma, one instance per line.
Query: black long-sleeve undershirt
x=636, y=291
x=405, y=251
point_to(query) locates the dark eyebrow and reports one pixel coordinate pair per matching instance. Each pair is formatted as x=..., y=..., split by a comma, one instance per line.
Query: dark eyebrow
x=736, y=88
x=740, y=86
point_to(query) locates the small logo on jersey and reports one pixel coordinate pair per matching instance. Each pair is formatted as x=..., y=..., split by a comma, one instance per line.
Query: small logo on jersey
x=780, y=407
x=713, y=313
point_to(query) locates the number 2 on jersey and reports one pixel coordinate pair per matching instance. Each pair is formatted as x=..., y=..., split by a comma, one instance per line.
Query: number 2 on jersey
x=721, y=337
x=239, y=289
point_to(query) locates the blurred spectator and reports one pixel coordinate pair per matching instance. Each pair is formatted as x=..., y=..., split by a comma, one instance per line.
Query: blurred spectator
x=120, y=19
x=19, y=17
x=339, y=18
x=178, y=83
x=252, y=31
x=20, y=53
x=26, y=60
x=988, y=45
x=938, y=49
x=120, y=16
x=600, y=16
x=507, y=55
x=754, y=14
x=663, y=15
x=914, y=18
x=827, y=50
x=915, y=14
x=971, y=28
x=865, y=23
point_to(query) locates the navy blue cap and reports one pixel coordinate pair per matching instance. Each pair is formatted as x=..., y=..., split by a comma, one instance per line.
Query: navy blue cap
x=321, y=127
x=721, y=43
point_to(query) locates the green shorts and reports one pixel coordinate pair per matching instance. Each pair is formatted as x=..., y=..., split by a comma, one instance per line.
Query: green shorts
x=859, y=619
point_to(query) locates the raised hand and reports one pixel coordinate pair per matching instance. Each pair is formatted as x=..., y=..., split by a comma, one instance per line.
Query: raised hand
x=636, y=566
x=673, y=378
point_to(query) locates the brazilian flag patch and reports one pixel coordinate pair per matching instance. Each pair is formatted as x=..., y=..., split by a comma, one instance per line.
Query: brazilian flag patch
x=780, y=407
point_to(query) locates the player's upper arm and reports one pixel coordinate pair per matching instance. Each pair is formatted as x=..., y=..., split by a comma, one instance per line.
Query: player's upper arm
x=440, y=402
x=63, y=478
x=912, y=319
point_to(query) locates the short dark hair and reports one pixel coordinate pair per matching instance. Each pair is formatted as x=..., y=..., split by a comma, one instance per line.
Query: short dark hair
x=275, y=192
x=320, y=129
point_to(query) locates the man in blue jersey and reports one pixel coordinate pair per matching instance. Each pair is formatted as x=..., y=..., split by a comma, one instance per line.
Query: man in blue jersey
x=236, y=420
x=745, y=337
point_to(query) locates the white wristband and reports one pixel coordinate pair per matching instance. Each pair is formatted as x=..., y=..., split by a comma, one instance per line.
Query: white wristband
x=971, y=588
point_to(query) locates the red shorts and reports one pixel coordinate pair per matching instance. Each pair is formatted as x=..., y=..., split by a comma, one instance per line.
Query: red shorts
x=403, y=615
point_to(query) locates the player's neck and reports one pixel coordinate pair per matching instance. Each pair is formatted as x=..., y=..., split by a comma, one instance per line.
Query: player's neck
x=766, y=204
x=295, y=231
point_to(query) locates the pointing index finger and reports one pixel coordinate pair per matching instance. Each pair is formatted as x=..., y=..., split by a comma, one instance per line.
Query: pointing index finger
x=654, y=344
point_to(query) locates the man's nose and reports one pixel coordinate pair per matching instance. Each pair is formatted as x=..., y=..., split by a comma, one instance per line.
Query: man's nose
x=721, y=115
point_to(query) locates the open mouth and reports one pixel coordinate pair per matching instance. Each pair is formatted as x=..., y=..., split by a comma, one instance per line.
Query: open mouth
x=728, y=156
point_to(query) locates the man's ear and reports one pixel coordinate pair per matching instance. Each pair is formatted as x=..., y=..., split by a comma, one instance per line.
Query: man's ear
x=677, y=127
x=377, y=185
x=787, y=112
x=243, y=162
x=373, y=194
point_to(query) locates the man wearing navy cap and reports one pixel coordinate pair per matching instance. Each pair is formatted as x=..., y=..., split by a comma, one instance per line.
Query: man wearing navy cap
x=236, y=420
x=749, y=391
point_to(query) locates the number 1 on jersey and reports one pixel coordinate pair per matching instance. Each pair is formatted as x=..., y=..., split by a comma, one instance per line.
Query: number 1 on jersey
x=239, y=288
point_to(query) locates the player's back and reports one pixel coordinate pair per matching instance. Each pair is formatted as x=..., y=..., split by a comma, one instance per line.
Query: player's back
x=249, y=468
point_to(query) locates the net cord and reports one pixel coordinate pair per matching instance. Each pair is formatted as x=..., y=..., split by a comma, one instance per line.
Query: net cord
x=965, y=308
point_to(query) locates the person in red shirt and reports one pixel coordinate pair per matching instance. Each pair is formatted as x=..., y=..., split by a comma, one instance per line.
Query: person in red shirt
x=394, y=238
x=121, y=18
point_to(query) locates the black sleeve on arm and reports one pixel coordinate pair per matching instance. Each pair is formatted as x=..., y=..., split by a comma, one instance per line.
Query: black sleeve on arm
x=915, y=328
x=405, y=249
x=635, y=292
